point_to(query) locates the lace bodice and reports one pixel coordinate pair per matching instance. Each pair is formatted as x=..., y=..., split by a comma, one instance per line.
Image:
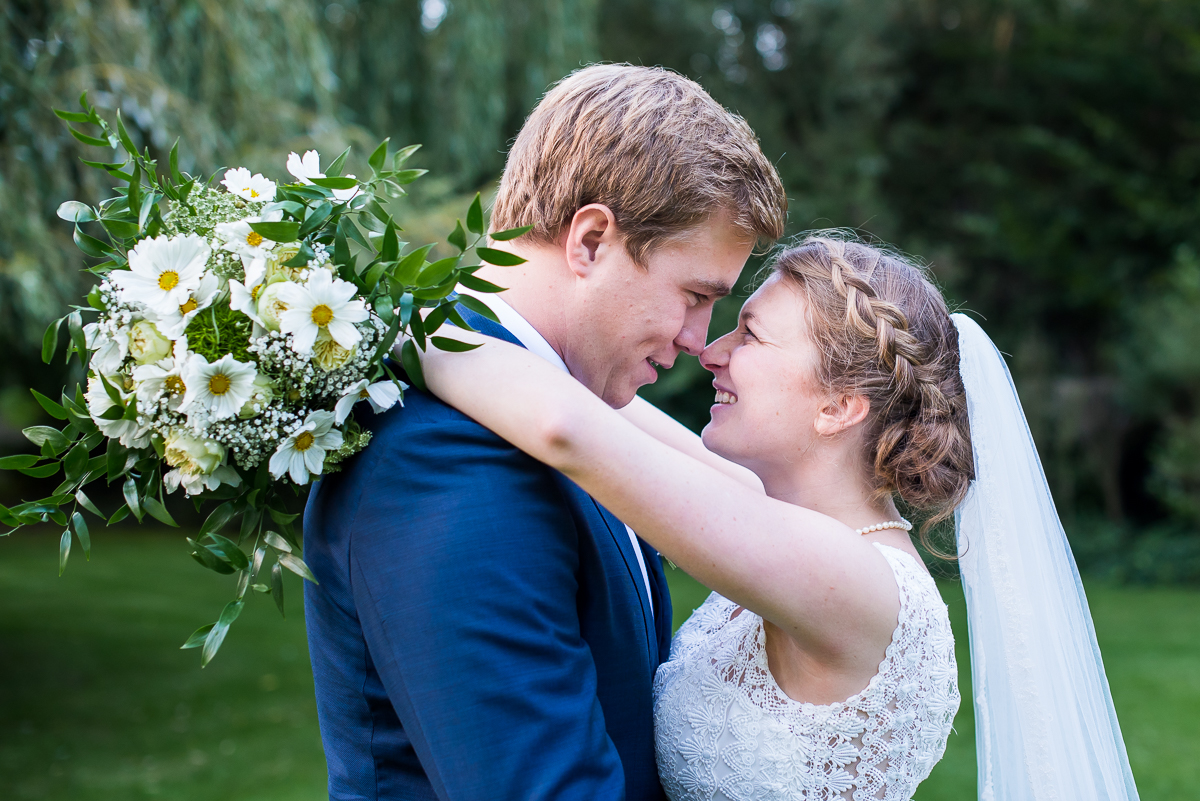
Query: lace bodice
x=726, y=731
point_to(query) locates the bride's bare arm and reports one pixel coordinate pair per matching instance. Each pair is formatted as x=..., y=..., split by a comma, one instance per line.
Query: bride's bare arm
x=669, y=431
x=804, y=571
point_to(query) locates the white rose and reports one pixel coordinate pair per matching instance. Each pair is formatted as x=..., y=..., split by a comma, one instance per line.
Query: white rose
x=328, y=354
x=191, y=455
x=146, y=344
x=261, y=394
x=271, y=305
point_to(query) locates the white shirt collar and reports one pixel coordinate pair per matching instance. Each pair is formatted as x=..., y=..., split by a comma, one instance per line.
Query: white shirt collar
x=518, y=326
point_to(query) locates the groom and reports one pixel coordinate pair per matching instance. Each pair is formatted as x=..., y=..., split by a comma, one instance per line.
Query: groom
x=483, y=629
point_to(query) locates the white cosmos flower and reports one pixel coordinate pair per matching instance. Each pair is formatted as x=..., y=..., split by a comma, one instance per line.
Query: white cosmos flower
x=240, y=182
x=303, y=452
x=163, y=378
x=219, y=388
x=98, y=402
x=163, y=272
x=309, y=167
x=326, y=303
x=383, y=395
x=173, y=321
x=108, y=352
x=238, y=237
x=243, y=295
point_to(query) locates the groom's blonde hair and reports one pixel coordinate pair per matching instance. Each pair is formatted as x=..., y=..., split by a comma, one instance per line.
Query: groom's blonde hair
x=648, y=143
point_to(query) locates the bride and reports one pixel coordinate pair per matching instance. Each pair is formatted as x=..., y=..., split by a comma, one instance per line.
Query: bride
x=822, y=667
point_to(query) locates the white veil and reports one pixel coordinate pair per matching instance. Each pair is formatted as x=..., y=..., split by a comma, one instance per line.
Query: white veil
x=1044, y=720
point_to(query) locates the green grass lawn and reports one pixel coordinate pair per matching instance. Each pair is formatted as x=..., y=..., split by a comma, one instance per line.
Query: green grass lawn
x=99, y=703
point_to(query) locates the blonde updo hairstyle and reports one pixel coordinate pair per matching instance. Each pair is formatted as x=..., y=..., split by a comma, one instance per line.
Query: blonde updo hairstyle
x=883, y=331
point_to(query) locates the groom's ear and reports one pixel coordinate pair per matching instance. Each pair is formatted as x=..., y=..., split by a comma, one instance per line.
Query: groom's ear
x=591, y=237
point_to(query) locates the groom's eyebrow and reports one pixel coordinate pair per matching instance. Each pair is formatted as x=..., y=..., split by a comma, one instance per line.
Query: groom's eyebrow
x=715, y=289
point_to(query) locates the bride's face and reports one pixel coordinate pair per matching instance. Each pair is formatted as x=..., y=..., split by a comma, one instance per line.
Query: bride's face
x=767, y=399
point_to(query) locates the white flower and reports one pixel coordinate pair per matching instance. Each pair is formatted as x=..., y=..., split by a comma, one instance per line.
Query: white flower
x=219, y=388
x=108, y=352
x=261, y=395
x=303, y=452
x=383, y=395
x=309, y=167
x=128, y=432
x=174, y=321
x=326, y=303
x=151, y=381
x=240, y=182
x=199, y=464
x=238, y=237
x=328, y=354
x=163, y=272
x=243, y=295
x=146, y=344
x=271, y=305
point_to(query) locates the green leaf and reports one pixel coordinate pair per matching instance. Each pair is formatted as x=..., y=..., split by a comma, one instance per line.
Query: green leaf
x=277, y=542
x=117, y=457
x=335, y=169
x=433, y=321
x=212, y=643
x=90, y=245
x=120, y=229
x=408, y=268
x=19, y=461
x=479, y=307
x=390, y=250
x=335, y=182
x=407, y=176
x=435, y=273
x=198, y=637
x=315, y=218
x=412, y=364
x=277, y=587
x=377, y=159
x=282, y=518
x=131, y=497
x=158, y=511
x=64, y=550
x=76, y=212
x=217, y=520
x=81, y=531
x=207, y=558
x=303, y=256
x=452, y=345
x=126, y=141
x=500, y=258
x=227, y=548
x=42, y=471
x=50, y=340
x=71, y=116
x=75, y=462
x=296, y=565
x=475, y=215
x=89, y=140
x=41, y=435
x=511, y=233
x=86, y=503
x=403, y=154
x=173, y=164
x=53, y=409
x=458, y=237
x=478, y=284
x=78, y=340
x=281, y=232
x=119, y=515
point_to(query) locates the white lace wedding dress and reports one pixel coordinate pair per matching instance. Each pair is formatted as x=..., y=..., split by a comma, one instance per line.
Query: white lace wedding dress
x=726, y=731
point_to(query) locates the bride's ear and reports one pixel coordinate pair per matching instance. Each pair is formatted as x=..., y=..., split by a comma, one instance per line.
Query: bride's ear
x=591, y=237
x=842, y=414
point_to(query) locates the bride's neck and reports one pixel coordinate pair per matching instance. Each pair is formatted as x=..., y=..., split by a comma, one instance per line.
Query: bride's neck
x=832, y=487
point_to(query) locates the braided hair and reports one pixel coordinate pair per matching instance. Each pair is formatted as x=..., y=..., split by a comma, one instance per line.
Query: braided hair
x=884, y=332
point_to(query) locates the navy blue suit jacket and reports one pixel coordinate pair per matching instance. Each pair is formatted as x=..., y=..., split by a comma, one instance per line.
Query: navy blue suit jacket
x=481, y=629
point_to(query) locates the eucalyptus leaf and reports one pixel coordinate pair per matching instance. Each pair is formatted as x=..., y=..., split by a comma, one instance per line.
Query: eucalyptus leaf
x=212, y=643
x=277, y=586
x=76, y=212
x=296, y=565
x=81, y=531
x=198, y=637
x=158, y=511
x=64, y=550
x=129, y=489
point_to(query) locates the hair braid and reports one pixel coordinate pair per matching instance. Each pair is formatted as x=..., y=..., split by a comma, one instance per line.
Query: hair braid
x=884, y=332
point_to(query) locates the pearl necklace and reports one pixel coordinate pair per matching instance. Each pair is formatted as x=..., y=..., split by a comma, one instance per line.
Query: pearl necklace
x=901, y=524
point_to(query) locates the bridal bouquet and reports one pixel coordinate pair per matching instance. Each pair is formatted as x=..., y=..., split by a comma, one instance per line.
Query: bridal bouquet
x=234, y=327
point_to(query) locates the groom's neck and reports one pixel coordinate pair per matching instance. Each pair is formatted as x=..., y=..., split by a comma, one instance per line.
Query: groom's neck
x=537, y=291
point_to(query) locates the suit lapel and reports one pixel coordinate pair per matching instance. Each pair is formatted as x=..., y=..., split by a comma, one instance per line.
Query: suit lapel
x=616, y=529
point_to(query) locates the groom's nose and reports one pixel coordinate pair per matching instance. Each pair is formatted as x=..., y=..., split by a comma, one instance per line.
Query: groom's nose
x=692, y=336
